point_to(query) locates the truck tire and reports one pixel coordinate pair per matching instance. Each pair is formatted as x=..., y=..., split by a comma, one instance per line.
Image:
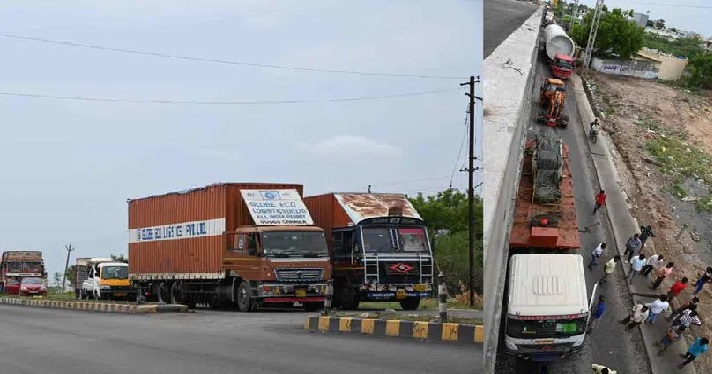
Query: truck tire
x=244, y=302
x=348, y=299
x=214, y=302
x=410, y=303
x=313, y=306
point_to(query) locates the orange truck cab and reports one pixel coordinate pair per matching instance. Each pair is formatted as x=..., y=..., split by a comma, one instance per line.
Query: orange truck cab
x=561, y=66
x=379, y=246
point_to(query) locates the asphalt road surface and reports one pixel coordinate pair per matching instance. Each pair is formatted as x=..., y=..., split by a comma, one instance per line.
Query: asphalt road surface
x=609, y=344
x=46, y=341
x=501, y=18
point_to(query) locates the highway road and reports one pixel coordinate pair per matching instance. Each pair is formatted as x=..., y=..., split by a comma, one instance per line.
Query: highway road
x=501, y=18
x=67, y=342
x=608, y=345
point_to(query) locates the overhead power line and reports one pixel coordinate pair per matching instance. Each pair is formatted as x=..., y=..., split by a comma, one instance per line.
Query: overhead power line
x=462, y=145
x=222, y=103
x=220, y=61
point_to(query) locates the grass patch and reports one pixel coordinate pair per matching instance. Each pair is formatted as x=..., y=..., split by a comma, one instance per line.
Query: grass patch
x=704, y=205
x=408, y=317
x=425, y=304
x=680, y=158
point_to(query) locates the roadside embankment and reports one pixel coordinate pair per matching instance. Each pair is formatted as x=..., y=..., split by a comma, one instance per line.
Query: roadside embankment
x=508, y=85
x=95, y=306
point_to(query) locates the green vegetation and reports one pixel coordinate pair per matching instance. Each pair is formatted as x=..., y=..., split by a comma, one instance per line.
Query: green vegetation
x=425, y=304
x=446, y=216
x=685, y=47
x=680, y=158
x=700, y=68
x=616, y=34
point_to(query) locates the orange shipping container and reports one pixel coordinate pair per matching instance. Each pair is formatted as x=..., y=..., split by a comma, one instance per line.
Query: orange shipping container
x=182, y=232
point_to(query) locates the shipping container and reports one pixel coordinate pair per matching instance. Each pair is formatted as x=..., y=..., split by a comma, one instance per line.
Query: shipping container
x=379, y=247
x=193, y=243
x=219, y=207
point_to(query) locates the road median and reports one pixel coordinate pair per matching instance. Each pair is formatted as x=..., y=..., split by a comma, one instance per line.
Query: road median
x=423, y=330
x=95, y=306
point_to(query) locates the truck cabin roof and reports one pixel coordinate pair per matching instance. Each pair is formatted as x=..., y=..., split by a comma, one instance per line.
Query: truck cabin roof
x=247, y=229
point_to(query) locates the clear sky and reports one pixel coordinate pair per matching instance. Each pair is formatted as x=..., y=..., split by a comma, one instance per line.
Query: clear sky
x=689, y=15
x=69, y=166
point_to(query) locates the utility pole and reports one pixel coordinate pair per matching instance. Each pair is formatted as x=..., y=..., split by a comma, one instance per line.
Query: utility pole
x=592, y=36
x=574, y=11
x=471, y=188
x=69, y=249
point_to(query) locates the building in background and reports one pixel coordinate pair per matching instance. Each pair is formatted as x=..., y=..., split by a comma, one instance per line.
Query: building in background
x=641, y=19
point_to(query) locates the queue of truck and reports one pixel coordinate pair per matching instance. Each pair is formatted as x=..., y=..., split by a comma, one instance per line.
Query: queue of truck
x=252, y=245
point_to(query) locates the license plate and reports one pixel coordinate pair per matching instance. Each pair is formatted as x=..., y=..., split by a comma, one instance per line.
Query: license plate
x=301, y=292
x=34, y=291
x=400, y=294
x=119, y=294
x=420, y=287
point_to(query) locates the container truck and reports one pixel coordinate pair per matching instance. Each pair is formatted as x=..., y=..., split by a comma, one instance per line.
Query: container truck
x=15, y=265
x=103, y=278
x=546, y=311
x=559, y=49
x=379, y=248
x=228, y=244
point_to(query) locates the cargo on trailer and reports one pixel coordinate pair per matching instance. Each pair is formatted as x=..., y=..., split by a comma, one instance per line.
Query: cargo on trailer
x=247, y=245
x=379, y=245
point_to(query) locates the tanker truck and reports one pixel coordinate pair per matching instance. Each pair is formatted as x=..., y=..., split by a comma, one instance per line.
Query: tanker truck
x=559, y=49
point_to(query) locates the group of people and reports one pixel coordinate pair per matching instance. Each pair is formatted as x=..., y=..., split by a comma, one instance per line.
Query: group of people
x=680, y=320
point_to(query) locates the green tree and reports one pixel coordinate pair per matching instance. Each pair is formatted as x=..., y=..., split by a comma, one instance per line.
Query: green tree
x=700, y=68
x=446, y=215
x=616, y=34
x=650, y=23
x=660, y=24
x=686, y=47
x=119, y=257
x=71, y=275
x=58, y=278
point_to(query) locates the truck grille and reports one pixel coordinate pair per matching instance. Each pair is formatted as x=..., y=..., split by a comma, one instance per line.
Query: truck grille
x=299, y=275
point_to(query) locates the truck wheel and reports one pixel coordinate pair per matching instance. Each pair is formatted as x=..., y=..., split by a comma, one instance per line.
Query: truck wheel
x=244, y=301
x=313, y=307
x=410, y=303
x=348, y=299
x=214, y=302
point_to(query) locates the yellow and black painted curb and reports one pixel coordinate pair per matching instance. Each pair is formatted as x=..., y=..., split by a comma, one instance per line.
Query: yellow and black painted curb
x=95, y=306
x=451, y=332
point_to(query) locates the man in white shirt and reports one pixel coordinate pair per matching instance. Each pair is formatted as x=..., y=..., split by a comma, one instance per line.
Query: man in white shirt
x=653, y=263
x=656, y=307
x=636, y=266
x=637, y=316
x=596, y=254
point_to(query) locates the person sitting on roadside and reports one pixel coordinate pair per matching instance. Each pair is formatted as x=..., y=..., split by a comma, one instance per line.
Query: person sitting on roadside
x=687, y=318
x=595, y=126
x=638, y=314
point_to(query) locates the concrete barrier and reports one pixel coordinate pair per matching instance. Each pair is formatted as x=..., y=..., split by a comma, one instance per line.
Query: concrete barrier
x=508, y=86
x=450, y=332
x=95, y=306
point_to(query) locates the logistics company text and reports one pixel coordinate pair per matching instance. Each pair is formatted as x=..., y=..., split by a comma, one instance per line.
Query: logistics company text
x=187, y=230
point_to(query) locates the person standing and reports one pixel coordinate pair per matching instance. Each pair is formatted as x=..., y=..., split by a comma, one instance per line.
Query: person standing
x=609, y=268
x=636, y=266
x=676, y=288
x=656, y=307
x=596, y=254
x=632, y=246
x=672, y=335
x=645, y=233
x=638, y=315
x=705, y=278
x=662, y=274
x=598, y=311
x=600, y=201
x=692, y=304
x=700, y=346
x=653, y=262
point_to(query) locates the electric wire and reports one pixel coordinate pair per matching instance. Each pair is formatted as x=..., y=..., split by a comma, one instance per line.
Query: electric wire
x=462, y=145
x=220, y=61
x=222, y=103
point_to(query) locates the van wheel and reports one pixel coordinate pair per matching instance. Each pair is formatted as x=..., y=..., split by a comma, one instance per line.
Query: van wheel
x=244, y=301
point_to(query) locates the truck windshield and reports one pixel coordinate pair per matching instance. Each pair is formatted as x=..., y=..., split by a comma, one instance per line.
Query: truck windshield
x=410, y=239
x=24, y=267
x=547, y=328
x=563, y=64
x=31, y=280
x=294, y=244
x=115, y=272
